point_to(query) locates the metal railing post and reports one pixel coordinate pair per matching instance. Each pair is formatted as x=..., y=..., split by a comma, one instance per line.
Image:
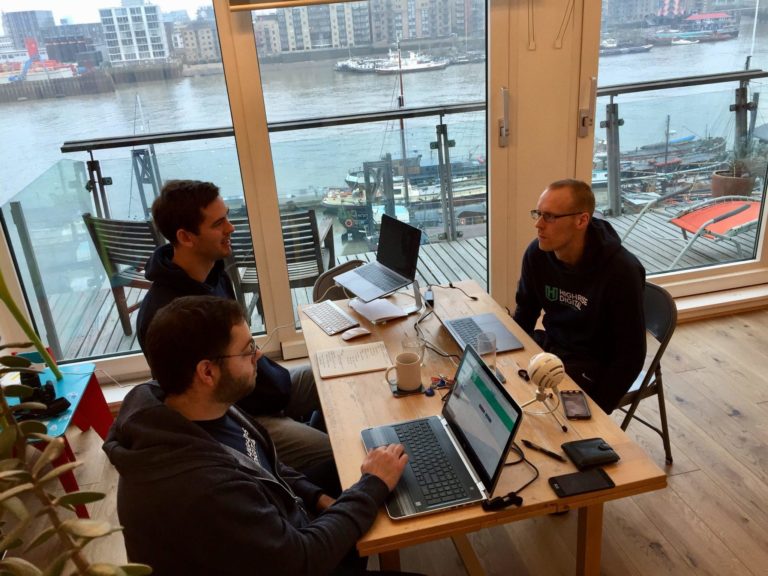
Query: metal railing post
x=611, y=124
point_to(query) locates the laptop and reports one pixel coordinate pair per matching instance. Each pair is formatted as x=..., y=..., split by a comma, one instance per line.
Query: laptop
x=396, y=259
x=465, y=329
x=454, y=459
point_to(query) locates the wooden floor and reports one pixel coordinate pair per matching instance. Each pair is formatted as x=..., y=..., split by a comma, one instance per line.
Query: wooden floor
x=711, y=520
x=88, y=325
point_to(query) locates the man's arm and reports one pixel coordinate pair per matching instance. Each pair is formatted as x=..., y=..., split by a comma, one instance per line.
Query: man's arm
x=624, y=338
x=527, y=308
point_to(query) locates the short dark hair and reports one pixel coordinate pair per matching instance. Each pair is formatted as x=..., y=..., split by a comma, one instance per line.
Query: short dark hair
x=581, y=192
x=186, y=331
x=180, y=206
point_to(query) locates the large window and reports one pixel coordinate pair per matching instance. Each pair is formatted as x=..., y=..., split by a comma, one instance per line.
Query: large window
x=680, y=162
x=95, y=93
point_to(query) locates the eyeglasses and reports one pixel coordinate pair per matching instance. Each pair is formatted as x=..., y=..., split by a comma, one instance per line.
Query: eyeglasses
x=253, y=349
x=549, y=217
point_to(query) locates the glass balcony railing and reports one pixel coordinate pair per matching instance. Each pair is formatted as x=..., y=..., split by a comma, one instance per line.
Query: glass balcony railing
x=347, y=170
x=679, y=168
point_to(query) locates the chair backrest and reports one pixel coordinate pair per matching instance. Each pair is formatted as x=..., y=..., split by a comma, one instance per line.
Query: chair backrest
x=660, y=318
x=122, y=243
x=303, y=251
x=325, y=288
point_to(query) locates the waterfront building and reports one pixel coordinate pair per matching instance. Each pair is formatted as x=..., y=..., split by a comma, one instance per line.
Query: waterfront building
x=267, y=33
x=200, y=43
x=26, y=24
x=134, y=33
x=325, y=26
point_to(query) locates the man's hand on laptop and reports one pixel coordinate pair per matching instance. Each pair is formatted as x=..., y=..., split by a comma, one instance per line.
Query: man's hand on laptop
x=386, y=462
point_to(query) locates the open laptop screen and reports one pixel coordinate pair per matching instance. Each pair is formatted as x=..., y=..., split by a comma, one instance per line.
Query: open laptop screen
x=483, y=417
x=399, y=246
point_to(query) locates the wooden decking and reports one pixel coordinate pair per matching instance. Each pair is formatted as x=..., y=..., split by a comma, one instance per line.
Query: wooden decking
x=88, y=325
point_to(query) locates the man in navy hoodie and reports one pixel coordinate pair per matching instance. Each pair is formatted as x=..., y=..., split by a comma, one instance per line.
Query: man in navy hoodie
x=590, y=289
x=193, y=218
x=202, y=489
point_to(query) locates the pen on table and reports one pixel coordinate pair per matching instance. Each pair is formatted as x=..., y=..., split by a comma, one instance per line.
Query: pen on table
x=543, y=450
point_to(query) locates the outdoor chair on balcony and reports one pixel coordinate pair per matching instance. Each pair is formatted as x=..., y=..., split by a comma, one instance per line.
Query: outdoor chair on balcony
x=124, y=246
x=660, y=322
x=304, y=254
x=717, y=219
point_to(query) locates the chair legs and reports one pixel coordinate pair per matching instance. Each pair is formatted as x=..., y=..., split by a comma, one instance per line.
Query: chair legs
x=121, y=302
x=664, y=431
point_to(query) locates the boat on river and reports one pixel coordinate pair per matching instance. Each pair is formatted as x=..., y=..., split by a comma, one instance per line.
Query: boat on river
x=393, y=64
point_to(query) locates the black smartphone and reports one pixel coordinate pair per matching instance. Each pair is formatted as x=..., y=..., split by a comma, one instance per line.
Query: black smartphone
x=581, y=482
x=575, y=405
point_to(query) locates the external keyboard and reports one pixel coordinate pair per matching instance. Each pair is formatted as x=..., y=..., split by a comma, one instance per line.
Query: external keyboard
x=330, y=317
x=429, y=463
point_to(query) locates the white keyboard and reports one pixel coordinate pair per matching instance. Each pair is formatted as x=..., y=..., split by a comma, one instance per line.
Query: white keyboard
x=330, y=317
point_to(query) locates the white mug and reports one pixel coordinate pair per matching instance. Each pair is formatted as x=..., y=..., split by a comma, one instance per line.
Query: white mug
x=408, y=368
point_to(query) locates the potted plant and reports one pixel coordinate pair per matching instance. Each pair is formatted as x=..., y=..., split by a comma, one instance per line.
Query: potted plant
x=26, y=476
x=737, y=180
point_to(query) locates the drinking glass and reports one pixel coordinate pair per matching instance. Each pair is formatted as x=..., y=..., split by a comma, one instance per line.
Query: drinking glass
x=485, y=345
x=416, y=345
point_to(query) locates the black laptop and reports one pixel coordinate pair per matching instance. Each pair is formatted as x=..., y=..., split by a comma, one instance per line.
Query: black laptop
x=456, y=458
x=396, y=259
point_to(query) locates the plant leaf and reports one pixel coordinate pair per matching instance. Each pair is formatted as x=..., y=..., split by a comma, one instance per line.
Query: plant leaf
x=11, y=492
x=136, y=569
x=87, y=528
x=18, y=391
x=39, y=436
x=10, y=464
x=28, y=406
x=56, y=567
x=52, y=451
x=16, y=507
x=75, y=498
x=12, y=539
x=7, y=441
x=41, y=538
x=16, y=345
x=58, y=471
x=12, y=474
x=103, y=570
x=19, y=567
x=33, y=427
x=15, y=361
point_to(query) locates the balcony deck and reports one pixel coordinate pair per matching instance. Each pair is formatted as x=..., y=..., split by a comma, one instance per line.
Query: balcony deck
x=88, y=323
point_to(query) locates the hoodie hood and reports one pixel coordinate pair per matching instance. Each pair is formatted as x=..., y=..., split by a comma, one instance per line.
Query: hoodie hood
x=150, y=442
x=161, y=269
x=602, y=244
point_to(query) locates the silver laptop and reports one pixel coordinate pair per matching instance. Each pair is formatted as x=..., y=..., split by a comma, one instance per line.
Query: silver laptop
x=465, y=329
x=396, y=259
x=457, y=458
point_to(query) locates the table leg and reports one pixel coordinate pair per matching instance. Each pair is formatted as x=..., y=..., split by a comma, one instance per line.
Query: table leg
x=389, y=561
x=590, y=538
x=93, y=411
x=468, y=556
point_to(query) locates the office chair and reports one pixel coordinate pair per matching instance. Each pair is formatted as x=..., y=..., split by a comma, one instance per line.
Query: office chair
x=660, y=321
x=325, y=288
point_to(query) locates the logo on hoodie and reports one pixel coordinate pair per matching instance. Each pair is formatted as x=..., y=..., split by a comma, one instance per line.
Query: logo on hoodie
x=575, y=301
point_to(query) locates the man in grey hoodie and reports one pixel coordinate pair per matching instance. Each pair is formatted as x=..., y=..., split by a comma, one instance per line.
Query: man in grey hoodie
x=201, y=488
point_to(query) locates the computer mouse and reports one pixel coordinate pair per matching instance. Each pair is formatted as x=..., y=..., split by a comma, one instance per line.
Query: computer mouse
x=354, y=333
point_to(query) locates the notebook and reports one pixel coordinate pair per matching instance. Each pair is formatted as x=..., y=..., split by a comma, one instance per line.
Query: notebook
x=396, y=259
x=467, y=443
x=465, y=329
x=353, y=359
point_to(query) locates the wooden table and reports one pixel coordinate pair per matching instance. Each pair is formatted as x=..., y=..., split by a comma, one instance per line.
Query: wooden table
x=351, y=403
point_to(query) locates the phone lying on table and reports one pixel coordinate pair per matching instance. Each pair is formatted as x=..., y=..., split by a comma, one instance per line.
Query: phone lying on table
x=575, y=405
x=581, y=482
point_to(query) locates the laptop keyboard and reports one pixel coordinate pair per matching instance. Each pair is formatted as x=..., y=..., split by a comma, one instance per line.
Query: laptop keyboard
x=382, y=277
x=429, y=463
x=467, y=329
x=330, y=317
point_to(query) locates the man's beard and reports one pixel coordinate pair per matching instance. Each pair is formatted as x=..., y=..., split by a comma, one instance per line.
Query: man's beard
x=230, y=388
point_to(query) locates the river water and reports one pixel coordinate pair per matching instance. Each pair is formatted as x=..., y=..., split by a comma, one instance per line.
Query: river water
x=32, y=132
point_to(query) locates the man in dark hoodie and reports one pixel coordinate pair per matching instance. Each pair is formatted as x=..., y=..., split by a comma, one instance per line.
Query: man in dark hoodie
x=201, y=489
x=193, y=218
x=591, y=291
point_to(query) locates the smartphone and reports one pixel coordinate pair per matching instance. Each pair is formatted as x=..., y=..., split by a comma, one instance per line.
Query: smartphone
x=581, y=482
x=575, y=405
